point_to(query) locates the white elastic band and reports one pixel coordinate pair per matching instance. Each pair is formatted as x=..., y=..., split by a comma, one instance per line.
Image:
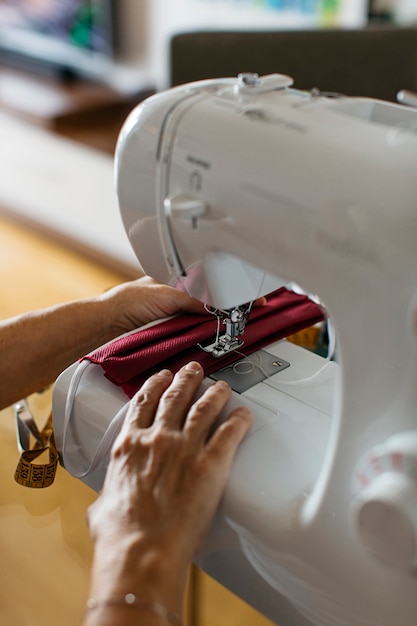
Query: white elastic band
x=108, y=438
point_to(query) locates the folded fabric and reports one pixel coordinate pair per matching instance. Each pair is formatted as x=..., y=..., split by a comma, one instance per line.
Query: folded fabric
x=129, y=360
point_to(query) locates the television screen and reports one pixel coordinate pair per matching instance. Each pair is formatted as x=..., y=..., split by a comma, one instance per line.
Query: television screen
x=74, y=35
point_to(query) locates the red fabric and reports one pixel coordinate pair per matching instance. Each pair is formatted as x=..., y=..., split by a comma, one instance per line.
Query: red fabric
x=130, y=360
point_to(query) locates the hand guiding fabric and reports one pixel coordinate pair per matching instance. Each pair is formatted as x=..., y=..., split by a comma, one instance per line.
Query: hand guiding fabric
x=168, y=470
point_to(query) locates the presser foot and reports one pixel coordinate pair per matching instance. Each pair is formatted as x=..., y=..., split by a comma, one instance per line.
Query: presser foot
x=223, y=345
x=235, y=321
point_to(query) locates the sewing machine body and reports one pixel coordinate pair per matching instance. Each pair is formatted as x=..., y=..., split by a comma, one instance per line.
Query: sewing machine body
x=291, y=430
x=230, y=189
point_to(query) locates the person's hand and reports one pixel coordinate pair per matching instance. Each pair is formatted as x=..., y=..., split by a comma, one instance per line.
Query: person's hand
x=144, y=300
x=139, y=302
x=168, y=470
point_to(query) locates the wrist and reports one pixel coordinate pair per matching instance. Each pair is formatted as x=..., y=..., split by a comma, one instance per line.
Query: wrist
x=134, y=565
x=105, y=314
x=112, y=608
x=115, y=307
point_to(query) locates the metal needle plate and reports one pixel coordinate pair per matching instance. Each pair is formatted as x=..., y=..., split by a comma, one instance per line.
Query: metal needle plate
x=250, y=370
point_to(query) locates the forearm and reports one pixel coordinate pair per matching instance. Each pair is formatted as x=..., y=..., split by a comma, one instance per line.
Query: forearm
x=35, y=348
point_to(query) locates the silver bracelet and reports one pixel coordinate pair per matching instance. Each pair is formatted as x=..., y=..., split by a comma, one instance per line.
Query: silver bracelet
x=131, y=600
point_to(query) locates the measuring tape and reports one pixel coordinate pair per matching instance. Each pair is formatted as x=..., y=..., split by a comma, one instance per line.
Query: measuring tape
x=28, y=473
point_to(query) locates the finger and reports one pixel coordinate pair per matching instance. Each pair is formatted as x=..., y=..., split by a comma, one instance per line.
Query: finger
x=189, y=304
x=225, y=441
x=144, y=404
x=177, y=399
x=206, y=410
x=260, y=301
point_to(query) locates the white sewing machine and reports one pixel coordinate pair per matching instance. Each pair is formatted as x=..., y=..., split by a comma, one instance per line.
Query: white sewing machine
x=231, y=188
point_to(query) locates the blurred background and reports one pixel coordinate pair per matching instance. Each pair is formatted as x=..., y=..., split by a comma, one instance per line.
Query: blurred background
x=71, y=70
x=125, y=43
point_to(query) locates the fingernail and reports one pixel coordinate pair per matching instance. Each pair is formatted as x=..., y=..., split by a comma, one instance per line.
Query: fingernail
x=222, y=383
x=164, y=374
x=246, y=415
x=193, y=367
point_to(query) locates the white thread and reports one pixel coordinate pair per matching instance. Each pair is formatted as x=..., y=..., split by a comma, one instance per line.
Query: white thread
x=254, y=365
x=240, y=364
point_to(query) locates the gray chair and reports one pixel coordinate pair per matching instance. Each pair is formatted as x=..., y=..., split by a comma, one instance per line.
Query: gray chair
x=376, y=61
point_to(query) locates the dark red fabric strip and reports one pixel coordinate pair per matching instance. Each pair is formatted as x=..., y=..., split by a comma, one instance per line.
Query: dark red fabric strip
x=129, y=361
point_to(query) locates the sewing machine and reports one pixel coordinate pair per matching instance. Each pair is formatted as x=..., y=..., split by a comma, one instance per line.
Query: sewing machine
x=229, y=189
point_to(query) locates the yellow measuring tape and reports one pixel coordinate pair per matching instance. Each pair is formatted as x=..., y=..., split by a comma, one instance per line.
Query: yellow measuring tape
x=28, y=473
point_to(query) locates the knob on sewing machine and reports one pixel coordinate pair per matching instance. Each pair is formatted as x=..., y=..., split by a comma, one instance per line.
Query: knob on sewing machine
x=385, y=485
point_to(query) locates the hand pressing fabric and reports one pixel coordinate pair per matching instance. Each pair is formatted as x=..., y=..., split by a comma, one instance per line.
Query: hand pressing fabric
x=166, y=476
